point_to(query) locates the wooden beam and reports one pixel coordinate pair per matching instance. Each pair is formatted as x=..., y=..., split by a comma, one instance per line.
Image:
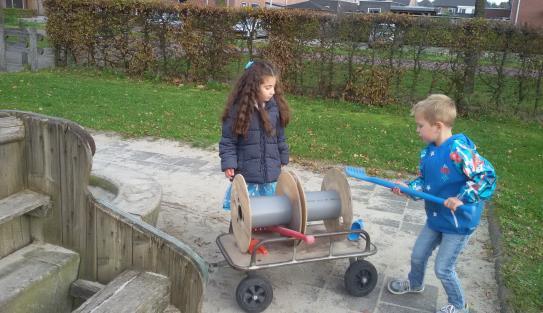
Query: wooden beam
x=21, y=203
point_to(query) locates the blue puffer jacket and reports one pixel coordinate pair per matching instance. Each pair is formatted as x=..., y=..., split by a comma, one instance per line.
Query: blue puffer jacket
x=258, y=157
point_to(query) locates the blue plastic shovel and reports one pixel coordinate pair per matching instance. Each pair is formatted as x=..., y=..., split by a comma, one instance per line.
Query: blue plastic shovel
x=360, y=173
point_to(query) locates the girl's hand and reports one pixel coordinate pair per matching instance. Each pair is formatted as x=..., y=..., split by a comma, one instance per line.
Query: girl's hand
x=397, y=190
x=452, y=203
x=229, y=173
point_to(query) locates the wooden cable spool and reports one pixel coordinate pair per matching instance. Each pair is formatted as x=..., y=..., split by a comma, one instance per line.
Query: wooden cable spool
x=287, y=199
x=335, y=180
x=291, y=206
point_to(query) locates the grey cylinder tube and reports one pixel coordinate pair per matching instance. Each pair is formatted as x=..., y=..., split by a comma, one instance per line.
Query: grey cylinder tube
x=270, y=211
x=322, y=205
x=276, y=210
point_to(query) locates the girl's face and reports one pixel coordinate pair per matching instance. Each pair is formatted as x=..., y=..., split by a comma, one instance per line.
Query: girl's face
x=267, y=89
x=427, y=132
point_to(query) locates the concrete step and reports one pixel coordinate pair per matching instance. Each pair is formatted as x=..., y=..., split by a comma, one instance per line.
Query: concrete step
x=37, y=279
x=131, y=292
x=23, y=202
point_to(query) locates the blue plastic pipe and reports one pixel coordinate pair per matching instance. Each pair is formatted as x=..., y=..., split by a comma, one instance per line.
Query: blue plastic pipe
x=360, y=173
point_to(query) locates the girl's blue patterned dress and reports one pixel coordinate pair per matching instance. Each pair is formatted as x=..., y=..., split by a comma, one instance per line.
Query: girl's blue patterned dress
x=255, y=190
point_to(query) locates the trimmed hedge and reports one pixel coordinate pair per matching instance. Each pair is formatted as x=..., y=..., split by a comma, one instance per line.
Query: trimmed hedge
x=318, y=53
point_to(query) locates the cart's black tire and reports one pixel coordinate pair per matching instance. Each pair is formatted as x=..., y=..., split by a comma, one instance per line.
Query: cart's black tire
x=360, y=278
x=254, y=294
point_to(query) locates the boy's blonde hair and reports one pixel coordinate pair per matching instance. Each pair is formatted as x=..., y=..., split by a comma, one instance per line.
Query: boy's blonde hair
x=436, y=108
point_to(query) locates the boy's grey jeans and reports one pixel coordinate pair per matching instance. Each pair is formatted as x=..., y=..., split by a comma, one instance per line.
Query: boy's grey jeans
x=450, y=247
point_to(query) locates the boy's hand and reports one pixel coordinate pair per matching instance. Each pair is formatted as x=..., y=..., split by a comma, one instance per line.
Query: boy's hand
x=397, y=190
x=452, y=203
x=229, y=173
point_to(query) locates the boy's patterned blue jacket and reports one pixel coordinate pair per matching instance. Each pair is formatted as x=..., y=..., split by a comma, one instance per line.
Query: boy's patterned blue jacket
x=455, y=169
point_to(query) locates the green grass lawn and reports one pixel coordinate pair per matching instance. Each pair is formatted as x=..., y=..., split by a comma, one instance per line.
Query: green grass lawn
x=379, y=139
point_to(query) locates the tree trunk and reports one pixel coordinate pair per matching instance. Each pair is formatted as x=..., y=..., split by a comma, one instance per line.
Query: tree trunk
x=472, y=59
x=479, y=8
x=538, y=87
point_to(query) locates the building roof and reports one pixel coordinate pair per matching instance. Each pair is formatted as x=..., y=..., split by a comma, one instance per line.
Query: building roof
x=454, y=3
x=400, y=2
x=309, y=5
x=374, y=1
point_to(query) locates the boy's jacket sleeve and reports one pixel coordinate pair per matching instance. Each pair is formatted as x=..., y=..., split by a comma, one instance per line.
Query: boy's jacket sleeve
x=480, y=173
x=418, y=183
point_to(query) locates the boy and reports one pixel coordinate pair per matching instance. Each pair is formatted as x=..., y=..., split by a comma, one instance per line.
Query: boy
x=449, y=168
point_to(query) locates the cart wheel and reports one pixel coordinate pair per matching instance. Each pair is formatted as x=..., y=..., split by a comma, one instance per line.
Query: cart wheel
x=360, y=278
x=254, y=294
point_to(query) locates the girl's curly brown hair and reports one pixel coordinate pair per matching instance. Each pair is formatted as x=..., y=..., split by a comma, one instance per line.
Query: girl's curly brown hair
x=245, y=96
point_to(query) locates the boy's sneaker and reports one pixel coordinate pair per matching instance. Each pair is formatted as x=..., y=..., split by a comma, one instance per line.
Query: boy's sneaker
x=401, y=286
x=449, y=308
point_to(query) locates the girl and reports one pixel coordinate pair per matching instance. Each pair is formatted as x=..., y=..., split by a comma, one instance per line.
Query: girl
x=253, y=141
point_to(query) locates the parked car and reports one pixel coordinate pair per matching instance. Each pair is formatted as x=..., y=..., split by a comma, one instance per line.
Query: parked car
x=171, y=19
x=382, y=34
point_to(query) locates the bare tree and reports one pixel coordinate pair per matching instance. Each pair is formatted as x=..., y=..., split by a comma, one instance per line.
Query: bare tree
x=480, y=8
x=472, y=56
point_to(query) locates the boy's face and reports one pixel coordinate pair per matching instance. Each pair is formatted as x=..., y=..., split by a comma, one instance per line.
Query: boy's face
x=427, y=132
x=267, y=89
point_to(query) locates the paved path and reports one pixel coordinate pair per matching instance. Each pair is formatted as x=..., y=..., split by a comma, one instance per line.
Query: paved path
x=193, y=187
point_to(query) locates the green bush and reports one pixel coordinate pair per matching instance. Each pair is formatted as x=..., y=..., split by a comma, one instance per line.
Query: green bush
x=318, y=53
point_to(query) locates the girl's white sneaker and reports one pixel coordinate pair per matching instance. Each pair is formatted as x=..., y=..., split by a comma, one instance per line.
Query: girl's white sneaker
x=449, y=308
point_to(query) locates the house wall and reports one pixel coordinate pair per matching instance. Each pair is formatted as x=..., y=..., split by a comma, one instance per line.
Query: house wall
x=527, y=12
x=13, y=4
x=465, y=9
x=203, y=2
x=443, y=10
x=35, y=5
x=365, y=5
x=495, y=13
